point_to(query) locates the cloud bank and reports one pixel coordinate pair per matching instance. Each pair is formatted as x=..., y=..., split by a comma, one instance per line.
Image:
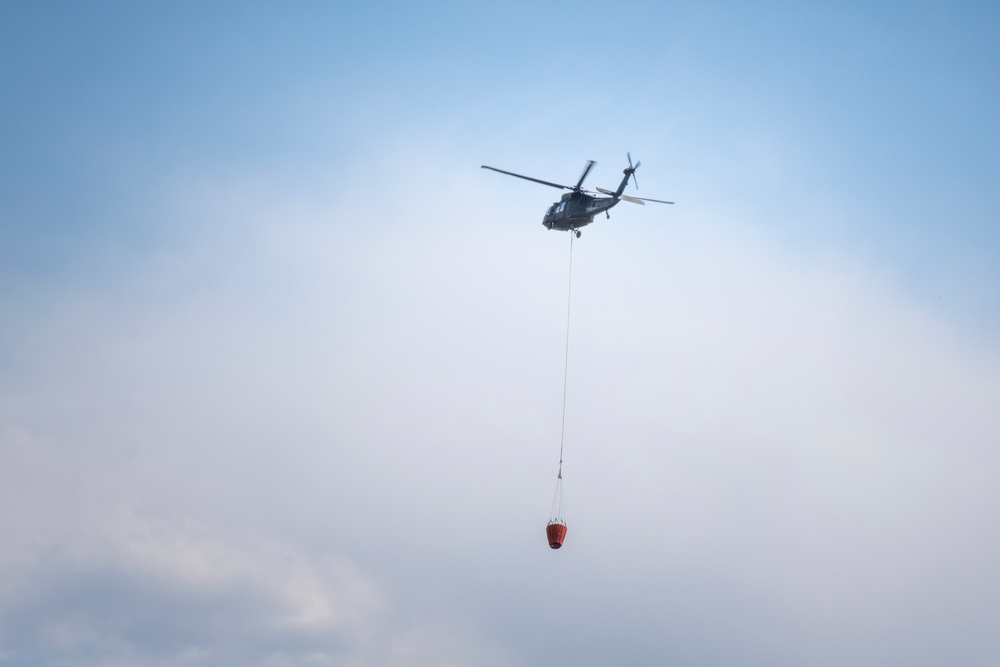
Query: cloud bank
x=282, y=440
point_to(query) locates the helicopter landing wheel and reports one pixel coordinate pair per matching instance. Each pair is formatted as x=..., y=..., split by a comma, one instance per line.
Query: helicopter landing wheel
x=578, y=233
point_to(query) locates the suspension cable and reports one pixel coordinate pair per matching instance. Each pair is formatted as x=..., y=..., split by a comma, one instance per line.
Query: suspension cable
x=569, y=299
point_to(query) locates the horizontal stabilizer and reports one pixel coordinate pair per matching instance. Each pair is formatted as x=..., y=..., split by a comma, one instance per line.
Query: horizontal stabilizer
x=634, y=200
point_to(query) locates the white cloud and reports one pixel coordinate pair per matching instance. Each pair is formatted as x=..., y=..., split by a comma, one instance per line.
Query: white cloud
x=342, y=446
x=91, y=582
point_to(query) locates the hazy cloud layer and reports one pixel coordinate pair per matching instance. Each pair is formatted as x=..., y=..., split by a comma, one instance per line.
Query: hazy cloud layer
x=768, y=460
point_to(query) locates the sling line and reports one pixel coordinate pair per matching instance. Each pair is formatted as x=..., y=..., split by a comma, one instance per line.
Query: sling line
x=569, y=298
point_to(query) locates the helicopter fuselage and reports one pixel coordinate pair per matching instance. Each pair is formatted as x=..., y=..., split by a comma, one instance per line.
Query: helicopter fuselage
x=575, y=210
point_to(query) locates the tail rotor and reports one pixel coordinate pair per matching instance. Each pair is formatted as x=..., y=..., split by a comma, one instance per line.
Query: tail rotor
x=631, y=169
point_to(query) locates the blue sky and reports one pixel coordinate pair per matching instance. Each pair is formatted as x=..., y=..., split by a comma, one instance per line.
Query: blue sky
x=866, y=128
x=281, y=367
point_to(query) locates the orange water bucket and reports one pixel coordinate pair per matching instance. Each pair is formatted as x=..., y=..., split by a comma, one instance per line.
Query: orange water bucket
x=556, y=532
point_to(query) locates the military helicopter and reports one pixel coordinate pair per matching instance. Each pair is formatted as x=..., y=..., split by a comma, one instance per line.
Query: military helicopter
x=578, y=207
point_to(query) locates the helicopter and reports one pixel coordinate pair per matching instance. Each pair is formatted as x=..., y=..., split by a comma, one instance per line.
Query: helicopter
x=578, y=207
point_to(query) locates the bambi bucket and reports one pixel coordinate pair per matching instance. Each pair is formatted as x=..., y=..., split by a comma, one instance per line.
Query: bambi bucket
x=556, y=532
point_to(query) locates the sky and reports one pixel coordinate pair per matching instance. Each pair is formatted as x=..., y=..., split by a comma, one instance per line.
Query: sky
x=281, y=367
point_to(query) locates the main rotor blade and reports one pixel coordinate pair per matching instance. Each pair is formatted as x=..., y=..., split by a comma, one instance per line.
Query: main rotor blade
x=529, y=178
x=634, y=200
x=586, y=170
